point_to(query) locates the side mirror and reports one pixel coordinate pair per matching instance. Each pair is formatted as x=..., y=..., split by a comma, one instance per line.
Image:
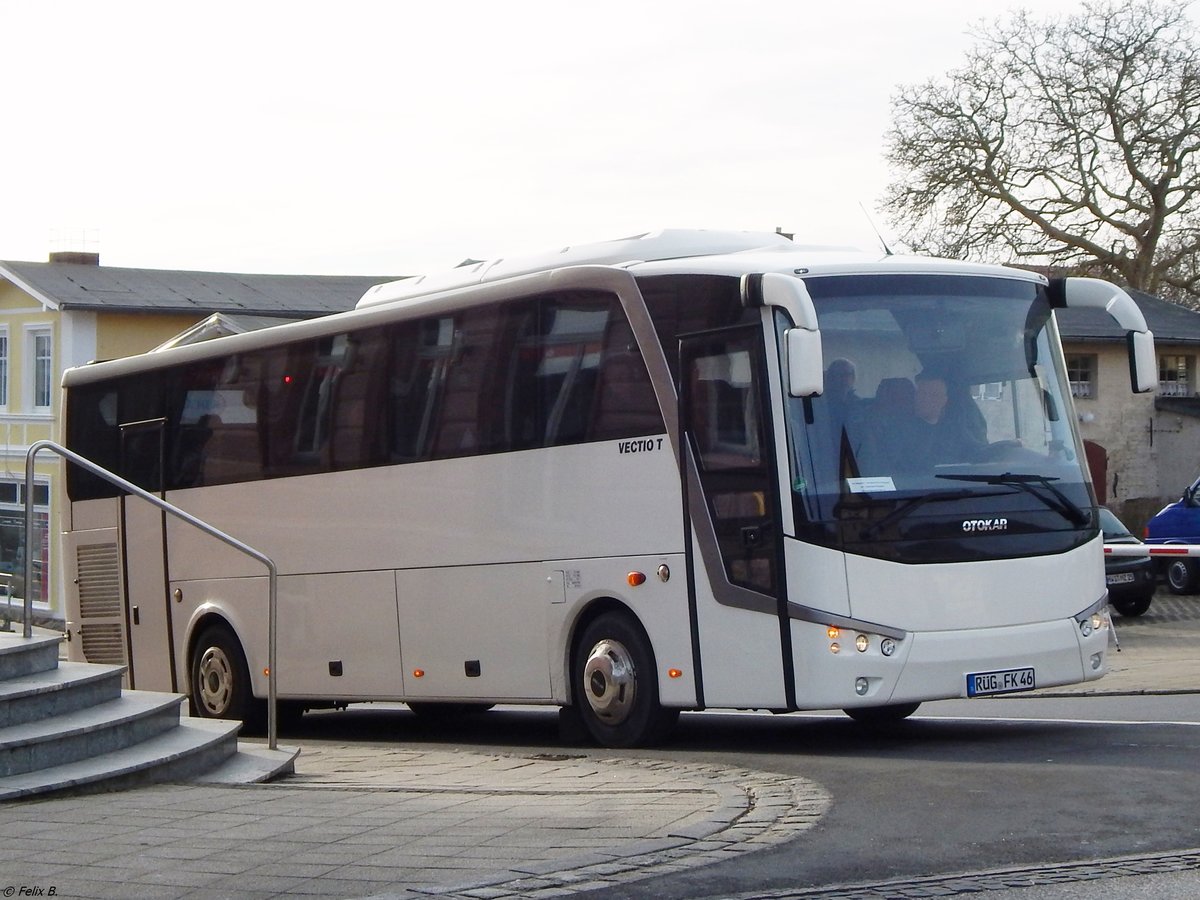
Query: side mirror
x=805, y=360
x=1143, y=362
x=1092, y=293
x=805, y=363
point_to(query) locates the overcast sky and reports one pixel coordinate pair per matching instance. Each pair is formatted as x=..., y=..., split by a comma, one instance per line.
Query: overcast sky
x=382, y=138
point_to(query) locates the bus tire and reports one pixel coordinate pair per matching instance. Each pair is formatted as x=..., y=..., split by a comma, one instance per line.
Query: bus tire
x=1181, y=576
x=882, y=715
x=616, y=684
x=221, y=680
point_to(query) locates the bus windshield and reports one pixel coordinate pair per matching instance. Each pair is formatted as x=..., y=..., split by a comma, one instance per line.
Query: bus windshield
x=945, y=397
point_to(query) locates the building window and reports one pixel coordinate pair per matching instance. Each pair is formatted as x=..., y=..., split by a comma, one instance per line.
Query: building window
x=3, y=367
x=1174, y=376
x=12, y=540
x=1081, y=371
x=43, y=369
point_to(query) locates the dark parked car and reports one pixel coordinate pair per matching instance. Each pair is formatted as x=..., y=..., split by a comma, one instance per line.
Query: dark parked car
x=1130, y=579
x=1179, y=523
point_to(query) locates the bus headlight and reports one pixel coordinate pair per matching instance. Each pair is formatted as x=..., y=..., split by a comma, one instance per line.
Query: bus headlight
x=861, y=643
x=1085, y=627
x=887, y=646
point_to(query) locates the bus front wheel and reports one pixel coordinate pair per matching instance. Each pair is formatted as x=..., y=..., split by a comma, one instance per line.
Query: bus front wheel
x=221, y=679
x=616, y=688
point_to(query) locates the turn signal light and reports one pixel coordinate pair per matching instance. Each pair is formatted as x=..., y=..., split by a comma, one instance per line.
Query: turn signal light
x=635, y=578
x=834, y=632
x=418, y=673
x=674, y=673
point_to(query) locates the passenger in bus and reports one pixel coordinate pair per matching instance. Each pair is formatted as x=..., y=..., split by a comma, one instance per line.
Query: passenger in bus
x=956, y=429
x=839, y=383
x=845, y=408
x=896, y=438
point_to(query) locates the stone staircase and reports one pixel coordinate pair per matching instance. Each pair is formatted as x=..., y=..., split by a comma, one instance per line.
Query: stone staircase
x=68, y=726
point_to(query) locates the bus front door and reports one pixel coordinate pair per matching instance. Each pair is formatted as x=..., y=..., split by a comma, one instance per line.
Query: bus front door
x=733, y=507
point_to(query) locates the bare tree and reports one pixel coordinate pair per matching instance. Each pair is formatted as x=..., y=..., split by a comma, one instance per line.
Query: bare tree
x=1070, y=142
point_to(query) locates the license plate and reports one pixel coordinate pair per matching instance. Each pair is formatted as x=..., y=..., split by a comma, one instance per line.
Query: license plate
x=1119, y=578
x=1005, y=681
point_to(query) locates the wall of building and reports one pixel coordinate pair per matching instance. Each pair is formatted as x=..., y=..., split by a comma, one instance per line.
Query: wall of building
x=1152, y=455
x=126, y=334
x=25, y=419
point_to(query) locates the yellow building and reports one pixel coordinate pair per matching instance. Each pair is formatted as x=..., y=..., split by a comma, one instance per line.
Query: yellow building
x=70, y=311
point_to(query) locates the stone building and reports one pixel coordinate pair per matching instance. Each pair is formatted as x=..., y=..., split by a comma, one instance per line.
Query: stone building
x=1143, y=449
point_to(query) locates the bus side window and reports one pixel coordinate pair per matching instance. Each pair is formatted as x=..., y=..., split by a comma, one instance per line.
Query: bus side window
x=625, y=403
x=554, y=371
x=577, y=375
x=464, y=418
x=421, y=355
x=234, y=451
x=92, y=432
x=356, y=427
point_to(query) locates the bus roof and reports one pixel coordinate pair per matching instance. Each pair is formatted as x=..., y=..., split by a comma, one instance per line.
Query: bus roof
x=668, y=252
x=681, y=250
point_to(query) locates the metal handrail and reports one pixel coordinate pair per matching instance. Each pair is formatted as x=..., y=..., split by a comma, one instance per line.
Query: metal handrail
x=129, y=487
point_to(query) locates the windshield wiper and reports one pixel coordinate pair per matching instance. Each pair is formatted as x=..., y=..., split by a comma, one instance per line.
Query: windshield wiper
x=1055, y=499
x=913, y=503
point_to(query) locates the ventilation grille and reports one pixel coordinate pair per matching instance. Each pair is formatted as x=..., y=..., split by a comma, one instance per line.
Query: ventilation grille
x=99, y=571
x=103, y=644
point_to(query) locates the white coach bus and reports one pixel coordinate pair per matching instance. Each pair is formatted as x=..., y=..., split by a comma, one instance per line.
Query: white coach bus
x=680, y=471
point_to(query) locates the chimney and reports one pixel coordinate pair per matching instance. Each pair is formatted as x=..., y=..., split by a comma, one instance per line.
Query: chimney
x=75, y=257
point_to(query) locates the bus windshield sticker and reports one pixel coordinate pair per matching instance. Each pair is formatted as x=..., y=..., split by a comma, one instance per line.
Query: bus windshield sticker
x=878, y=484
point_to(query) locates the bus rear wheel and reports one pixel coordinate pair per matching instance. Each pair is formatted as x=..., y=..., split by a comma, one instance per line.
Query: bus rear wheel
x=221, y=679
x=615, y=684
x=882, y=715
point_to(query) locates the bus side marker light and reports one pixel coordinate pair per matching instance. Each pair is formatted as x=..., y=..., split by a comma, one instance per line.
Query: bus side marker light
x=266, y=673
x=635, y=578
x=418, y=673
x=674, y=673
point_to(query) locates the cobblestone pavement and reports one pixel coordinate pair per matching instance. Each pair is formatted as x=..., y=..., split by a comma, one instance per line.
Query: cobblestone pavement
x=361, y=821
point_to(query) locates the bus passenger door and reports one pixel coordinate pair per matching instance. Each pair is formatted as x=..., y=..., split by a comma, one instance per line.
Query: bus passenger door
x=145, y=564
x=732, y=500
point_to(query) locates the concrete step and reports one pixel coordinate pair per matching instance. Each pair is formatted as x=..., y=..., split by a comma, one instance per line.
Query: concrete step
x=24, y=656
x=194, y=747
x=252, y=764
x=69, y=687
x=132, y=718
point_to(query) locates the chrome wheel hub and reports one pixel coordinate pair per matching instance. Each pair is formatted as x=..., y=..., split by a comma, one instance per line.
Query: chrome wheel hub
x=610, y=682
x=214, y=686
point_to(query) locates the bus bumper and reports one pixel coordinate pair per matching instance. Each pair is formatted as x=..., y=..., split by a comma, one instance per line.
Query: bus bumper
x=939, y=665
